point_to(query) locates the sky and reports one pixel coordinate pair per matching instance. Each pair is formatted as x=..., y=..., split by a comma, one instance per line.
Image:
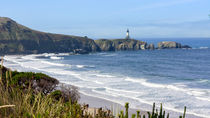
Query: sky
x=111, y=18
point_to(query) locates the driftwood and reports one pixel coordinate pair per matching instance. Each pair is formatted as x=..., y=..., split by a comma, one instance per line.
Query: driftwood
x=6, y=106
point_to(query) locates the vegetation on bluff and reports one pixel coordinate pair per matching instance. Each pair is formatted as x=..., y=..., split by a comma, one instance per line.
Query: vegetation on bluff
x=35, y=95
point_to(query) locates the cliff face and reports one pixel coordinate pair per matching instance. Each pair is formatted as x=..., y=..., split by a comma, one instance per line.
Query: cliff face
x=121, y=44
x=16, y=38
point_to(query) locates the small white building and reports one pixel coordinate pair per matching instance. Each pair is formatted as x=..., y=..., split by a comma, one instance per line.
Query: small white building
x=127, y=34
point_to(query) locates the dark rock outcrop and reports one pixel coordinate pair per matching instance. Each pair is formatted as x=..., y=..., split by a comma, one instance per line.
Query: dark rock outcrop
x=168, y=44
x=171, y=45
x=186, y=47
x=105, y=45
x=120, y=44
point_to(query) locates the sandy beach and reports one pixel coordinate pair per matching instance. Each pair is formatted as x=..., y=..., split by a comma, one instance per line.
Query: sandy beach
x=95, y=102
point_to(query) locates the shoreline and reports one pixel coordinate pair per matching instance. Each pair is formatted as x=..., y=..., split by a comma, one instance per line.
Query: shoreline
x=100, y=102
x=95, y=102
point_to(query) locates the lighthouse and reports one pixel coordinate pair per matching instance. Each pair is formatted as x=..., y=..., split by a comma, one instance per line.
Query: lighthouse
x=127, y=34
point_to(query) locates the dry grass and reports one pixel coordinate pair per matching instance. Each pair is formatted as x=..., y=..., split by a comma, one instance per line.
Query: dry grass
x=29, y=105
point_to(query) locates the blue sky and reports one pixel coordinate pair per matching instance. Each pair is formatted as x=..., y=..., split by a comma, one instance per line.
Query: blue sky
x=111, y=18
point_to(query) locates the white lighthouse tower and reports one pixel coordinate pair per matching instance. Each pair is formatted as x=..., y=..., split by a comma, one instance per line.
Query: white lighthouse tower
x=127, y=34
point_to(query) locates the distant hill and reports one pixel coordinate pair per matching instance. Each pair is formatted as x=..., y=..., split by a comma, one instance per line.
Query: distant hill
x=18, y=39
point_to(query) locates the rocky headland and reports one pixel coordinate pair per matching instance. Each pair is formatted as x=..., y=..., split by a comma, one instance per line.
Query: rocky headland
x=121, y=44
x=18, y=39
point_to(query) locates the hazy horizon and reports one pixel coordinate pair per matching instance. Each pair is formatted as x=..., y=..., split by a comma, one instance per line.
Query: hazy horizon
x=110, y=19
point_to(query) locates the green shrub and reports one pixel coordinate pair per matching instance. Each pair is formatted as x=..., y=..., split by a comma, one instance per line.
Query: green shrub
x=37, y=81
x=57, y=94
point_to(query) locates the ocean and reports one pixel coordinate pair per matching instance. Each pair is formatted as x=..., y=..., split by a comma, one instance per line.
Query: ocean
x=174, y=77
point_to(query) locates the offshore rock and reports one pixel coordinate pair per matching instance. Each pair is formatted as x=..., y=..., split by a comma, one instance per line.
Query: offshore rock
x=186, y=47
x=168, y=45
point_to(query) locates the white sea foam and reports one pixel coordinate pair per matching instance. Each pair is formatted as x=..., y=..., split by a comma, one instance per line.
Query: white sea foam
x=203, y=81
x=98, y=82
x=54, y=64
x=84, y=66
x=54, y=54
x=64, y=54
x=106, y=93
x=190, y=91
x=48, y=54
x=30, y=57
x=104, y=75
x=204, y=99
x=80, y=66
x=75, y=74
x=123, y=91
x=56, y=57
x=145, y=83
x=203, y=47
x=144, y=101
x=119, y=95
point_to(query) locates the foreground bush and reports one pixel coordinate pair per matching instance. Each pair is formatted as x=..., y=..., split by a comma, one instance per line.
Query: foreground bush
x=35, y=95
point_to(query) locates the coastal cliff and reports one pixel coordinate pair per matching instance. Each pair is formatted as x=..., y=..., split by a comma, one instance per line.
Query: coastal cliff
x=18, y=39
